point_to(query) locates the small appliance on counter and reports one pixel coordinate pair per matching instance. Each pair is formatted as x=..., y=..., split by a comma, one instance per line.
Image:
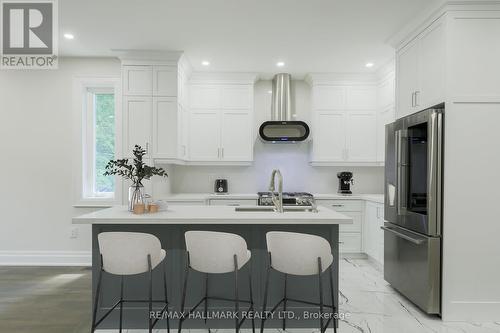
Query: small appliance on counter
x=345, y=182
x=220, y=186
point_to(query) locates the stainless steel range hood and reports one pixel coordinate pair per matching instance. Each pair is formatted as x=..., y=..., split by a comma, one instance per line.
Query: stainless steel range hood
x=282, y=128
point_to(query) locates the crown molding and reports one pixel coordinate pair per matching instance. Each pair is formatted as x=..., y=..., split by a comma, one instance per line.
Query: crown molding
x=340, y=78
x=222, y=78
x=427, y=17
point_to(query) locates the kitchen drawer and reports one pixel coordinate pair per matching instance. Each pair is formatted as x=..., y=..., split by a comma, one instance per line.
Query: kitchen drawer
x=356, y=225
x=231, y=202
x=342, y=205
x=350, y=242
x=187, y=203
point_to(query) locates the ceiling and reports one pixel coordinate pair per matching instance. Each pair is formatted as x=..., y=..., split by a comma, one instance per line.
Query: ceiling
x=243, y=35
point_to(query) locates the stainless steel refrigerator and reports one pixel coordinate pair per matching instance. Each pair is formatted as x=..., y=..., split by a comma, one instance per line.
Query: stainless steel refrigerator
x=413, y=207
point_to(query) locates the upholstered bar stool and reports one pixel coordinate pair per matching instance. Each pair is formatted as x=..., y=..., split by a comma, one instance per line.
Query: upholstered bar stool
x=130, y=253
x=212, y=252
x=293, y=253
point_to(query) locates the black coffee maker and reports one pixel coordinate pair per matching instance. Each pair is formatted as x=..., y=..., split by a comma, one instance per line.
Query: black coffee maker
x=345, y=182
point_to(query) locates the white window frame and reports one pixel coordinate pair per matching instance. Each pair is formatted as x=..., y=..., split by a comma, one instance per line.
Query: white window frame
x=84, y=140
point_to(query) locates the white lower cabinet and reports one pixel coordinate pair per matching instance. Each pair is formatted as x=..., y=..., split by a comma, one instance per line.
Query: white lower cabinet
x=373, y=236
x=350, y=235
x=200, y=202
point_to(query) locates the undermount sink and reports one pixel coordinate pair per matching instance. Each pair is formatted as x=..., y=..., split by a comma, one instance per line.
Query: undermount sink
x=309, y=209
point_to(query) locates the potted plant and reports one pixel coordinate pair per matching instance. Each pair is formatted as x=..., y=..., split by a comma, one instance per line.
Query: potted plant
x=136, y=172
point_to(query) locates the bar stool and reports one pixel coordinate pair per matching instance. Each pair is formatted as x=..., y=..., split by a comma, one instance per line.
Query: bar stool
x=293, y=253
x=212, y=252
x=130, y=253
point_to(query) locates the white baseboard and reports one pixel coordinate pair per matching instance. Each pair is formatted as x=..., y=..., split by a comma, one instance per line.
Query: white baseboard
x=45, y=258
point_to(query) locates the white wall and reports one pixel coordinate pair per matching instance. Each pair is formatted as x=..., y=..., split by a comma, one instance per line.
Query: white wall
x=291, y=159
x=36, y=135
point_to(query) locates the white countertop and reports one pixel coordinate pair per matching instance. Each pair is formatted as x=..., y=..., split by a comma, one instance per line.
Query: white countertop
x=211, y=215
x=378, y=198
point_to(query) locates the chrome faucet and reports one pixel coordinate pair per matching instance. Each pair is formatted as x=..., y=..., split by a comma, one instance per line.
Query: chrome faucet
x=277, y=201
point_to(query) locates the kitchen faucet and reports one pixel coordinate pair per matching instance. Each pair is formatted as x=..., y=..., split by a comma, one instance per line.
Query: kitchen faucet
x=277, y=201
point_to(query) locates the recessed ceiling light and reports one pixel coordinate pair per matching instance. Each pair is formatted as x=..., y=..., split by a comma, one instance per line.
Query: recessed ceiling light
x=205, y=63
x=369, y=64
x=280, y=64
x=69, y=36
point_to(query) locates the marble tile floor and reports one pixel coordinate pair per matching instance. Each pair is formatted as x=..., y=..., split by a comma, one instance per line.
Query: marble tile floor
x=57, y=300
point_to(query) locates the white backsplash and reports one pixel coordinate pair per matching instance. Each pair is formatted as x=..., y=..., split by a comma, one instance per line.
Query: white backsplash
x=291, y=159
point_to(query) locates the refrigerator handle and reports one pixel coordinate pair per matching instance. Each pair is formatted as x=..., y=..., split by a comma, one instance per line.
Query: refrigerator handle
x=400, y=172
x=414, y=240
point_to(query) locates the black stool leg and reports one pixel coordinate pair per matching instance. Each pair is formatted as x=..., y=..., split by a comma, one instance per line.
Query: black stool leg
x=121, y=303
x=150, y=294
x=206, y=297
x=252, y=307
x=266, y=289
x=320, y=269
x=96, y=299
x=236, y=301
x=284, y=303
x=334, y=308
x=184, y=288
x=166, y=291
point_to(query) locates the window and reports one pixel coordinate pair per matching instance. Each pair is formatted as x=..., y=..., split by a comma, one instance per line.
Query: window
x=100, y=142
x=97, y=117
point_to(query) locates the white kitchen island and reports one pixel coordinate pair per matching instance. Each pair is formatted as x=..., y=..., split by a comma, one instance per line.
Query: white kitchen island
x=170, y=225
x=213, y=215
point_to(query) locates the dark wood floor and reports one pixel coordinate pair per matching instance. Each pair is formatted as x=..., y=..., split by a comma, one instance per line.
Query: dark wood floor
x=45, y=299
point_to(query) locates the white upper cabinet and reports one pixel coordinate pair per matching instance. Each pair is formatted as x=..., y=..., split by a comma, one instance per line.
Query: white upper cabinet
x=236, y=97
x=344, y=128
x=329, y=97
x=137, y=121
x=137, y=80
x=431, y=69
x=362, y=98
x=204, y=141
x=407, y=67
x=205, y=96
x=164, y=124
x=420, y=71
x=236, y=138
x=221, y=123
x=150, y=108
x=165, y=81
x=385, y=116
x=361, y=143
x=329, y=136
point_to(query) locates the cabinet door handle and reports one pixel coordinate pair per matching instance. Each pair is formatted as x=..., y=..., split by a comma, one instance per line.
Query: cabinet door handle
x=222, y=152
x=234, y=204
x=218, y=152
x=337, y=205
x=416, y=98
x=413, y=99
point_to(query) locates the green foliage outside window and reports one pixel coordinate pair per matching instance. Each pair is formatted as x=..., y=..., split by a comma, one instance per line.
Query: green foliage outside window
x=104, y=140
